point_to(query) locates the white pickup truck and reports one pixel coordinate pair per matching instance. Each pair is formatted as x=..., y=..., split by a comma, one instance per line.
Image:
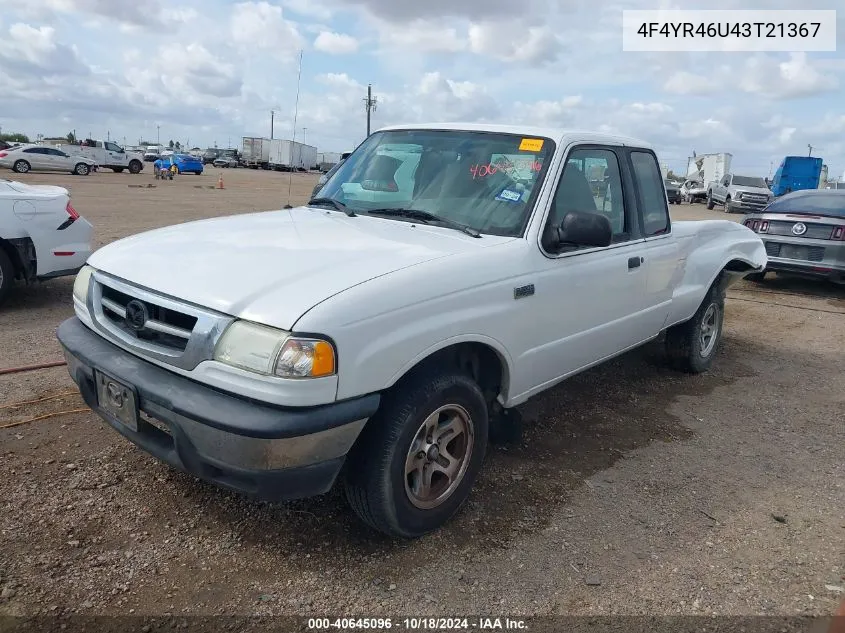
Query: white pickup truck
x=375, y=336
x=109, y=155
x=746, y=194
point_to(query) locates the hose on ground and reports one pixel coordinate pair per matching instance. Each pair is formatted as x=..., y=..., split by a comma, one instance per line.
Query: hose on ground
x=17, y=370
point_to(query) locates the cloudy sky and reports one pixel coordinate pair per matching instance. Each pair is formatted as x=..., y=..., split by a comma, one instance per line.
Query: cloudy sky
x=207, y=71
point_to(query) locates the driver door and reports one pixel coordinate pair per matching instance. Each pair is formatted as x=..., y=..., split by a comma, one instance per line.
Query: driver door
x=589, y=302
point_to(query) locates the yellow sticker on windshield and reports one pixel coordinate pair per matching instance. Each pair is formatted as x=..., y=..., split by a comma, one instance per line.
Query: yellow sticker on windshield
x=531, y=145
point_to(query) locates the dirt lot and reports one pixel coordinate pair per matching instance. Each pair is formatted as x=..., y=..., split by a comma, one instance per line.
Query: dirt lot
x=636, y=490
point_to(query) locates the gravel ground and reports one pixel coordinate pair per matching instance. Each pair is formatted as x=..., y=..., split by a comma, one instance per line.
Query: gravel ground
x=636, y=490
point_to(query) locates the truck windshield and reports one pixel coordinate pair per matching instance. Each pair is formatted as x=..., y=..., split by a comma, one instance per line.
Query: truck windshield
x=827, y=202
x=749, y=181
x=485, y=181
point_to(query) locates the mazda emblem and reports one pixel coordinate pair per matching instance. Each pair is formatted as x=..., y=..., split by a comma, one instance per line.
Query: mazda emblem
x=799, y=228
x=136, y=315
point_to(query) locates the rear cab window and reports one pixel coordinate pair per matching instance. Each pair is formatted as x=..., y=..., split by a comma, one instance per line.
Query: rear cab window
x=651, y=195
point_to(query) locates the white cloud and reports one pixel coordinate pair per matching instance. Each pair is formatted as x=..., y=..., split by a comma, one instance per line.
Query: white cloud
x=761, y=75
x=335, y=43
x=514, y=43
x=261, y=26
x=786, y=134
x=422, y=37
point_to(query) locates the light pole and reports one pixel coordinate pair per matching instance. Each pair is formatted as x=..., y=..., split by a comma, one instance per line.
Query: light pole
x=305, y=136
x=158, y=135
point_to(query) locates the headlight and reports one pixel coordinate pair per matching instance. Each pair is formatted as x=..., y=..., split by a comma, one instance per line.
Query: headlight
x=81, y=283
x=269, y=351
x=739, y=196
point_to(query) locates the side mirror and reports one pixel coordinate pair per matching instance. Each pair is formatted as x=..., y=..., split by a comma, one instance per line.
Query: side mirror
x=580, y=228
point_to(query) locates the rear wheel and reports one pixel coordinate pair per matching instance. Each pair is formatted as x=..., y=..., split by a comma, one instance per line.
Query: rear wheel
x=417, y=458
x=757, y=278
x=21, y=167
x=7, y=275
x=135, y=167
x=81, y=169
x=117, y=170
x=691, y=346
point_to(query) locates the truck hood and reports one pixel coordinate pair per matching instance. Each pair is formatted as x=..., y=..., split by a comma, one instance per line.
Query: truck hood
x=272, y=267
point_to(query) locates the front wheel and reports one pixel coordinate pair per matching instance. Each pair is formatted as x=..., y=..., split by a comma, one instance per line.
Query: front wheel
x=691, y=346
x=416, y=460
x=727, y=205
x=81, y=169
x=710, y=203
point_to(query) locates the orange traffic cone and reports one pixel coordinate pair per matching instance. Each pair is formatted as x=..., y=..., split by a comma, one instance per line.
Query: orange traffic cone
x=220, y=182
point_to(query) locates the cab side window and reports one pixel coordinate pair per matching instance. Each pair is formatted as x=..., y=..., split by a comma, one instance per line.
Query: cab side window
x=591, y=182
x=652, y=195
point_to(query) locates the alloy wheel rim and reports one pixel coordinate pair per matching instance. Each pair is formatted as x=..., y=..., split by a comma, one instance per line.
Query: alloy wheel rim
x=709, y=330
x=439, y=456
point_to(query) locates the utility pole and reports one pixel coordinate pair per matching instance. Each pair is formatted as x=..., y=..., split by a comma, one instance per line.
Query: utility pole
x=370, y=103
x=272, y=123
x=108, y=135
x=158, y=135
x=305, y=135
x=810, y=150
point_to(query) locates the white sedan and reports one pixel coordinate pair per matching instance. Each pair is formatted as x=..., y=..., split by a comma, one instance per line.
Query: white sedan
x=26, y=158
x=41, y=235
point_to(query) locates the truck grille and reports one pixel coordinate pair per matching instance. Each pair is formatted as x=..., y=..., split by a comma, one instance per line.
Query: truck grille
x=756, y=199
x=787, y=251
x=814, y=231
x=153, y=325
x=164, y=327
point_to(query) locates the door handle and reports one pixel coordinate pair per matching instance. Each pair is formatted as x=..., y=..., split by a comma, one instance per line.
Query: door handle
x=634, y=262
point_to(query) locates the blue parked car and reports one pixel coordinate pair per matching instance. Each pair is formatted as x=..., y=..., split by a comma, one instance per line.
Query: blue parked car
x=187, y=164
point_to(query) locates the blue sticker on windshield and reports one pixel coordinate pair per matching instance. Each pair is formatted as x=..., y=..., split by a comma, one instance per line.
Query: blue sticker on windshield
x=509, y=195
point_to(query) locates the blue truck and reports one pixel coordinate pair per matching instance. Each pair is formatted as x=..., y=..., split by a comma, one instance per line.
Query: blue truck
x=796, y=173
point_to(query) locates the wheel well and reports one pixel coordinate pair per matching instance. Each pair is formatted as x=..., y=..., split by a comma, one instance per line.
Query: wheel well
x=478, y=360
x=17, y=250
x=738, y=266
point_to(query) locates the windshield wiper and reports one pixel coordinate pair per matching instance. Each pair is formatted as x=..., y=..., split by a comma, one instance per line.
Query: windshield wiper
x=337, y=205
x=426, y=218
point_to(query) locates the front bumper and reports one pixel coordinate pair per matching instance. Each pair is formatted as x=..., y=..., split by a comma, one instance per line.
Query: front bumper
x=268, y=452
x=738, y=206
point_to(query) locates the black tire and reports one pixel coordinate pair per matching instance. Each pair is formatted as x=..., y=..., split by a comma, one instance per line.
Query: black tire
x=710, y=203
x=117, y=170
x=134, y=167
x=727, y=204
x=685, y=347
x=376, y=481
x=7, y=275
x=757, y=278
x=81, y=169
x=21, y=167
